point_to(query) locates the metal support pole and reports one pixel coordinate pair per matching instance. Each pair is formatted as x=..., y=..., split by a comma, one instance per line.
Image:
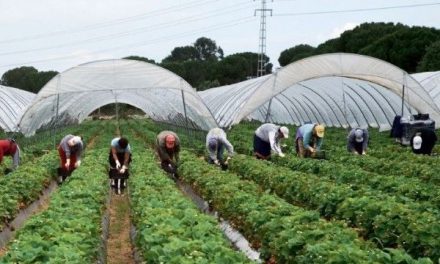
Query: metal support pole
x=403, y=98
x=117, y=115
x=184, y=111
x=268, y=114
x=266, y=120
x=56, y=122
x=56, y=113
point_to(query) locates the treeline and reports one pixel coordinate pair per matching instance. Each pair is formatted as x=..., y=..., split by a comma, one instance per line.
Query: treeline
x=204, y=65
x=27, y=78
x=414, y=49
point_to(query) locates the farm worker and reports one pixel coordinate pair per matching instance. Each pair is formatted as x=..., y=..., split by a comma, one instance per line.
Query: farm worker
x=309, y=139
x=70, y=150
x=266, y=138
x=423, y=141
x=216, y=142
x=357, y=141
x=8, y=147
x=168, y=148
x=120, y=154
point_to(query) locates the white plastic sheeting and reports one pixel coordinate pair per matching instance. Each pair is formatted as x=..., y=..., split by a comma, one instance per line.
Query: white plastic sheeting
x=431, y=83
x=334, y=101
x=72, y=95
x=343, y=101
x=13, y=103
x=225, y=102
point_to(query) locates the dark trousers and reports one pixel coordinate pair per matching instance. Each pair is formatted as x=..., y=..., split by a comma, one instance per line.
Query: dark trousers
x=168, y=167
x=261, y=147
x=220, y=150
x=121, y=157
x=358, y=147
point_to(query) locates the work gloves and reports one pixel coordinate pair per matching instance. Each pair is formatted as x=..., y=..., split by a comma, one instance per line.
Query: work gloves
x=118, y=164
x=77, y=164
x=123, y=169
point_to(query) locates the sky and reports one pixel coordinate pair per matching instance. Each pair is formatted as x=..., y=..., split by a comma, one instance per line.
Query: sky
x=60, y=34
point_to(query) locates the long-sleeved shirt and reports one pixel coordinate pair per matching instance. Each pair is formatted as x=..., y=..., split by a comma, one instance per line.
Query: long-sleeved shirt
x=118, y=149
x=269, y=133
x=306, y=133
x=218, y=135
x=74, y=150
x=10, y=148
x=351, y=140
x=164, y=153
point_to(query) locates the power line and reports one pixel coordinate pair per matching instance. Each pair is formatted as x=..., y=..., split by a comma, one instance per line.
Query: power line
x=109, y=23
x=356, y=10
x=140, y=44
x=178, y=22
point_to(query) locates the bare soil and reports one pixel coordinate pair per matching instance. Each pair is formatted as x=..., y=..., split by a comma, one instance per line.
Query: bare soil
x=119, y=248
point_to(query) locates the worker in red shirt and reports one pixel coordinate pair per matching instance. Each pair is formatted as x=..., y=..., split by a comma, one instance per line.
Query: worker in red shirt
x=69, y=150
x=8, y=147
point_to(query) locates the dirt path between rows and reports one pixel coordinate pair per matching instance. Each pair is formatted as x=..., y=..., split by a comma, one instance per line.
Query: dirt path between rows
x=119, y=248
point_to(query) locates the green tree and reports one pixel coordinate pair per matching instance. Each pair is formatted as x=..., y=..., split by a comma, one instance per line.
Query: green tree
x=330, y=46
x=295, y=53
x=181, y=54
x=239, y=67
x=366, y=34
x=404, y=48
x=431, y=59
x=207, y=49
x=196, y=64
x=138, y=58
x=354, y=40
x=208, y=84
x=175, y=67
x=27, y=78
x=44, y=77
x=194, y=72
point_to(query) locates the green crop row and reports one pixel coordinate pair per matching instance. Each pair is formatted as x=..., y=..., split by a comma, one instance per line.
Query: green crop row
x=379, y=217
x=404, y=188
x=69, y=231
x=284, y=233
x=170, y=229
x=407, y=167
x=24, y=185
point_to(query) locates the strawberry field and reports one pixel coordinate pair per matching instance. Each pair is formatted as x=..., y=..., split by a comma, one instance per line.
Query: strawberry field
x=380, y=208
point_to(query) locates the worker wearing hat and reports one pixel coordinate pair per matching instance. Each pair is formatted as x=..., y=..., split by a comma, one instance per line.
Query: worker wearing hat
x=69, y=150
x=266, y=138
x=309, y=139
x=168, y=148
x=216, y=142
x=357, y=141
x=423, y=141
